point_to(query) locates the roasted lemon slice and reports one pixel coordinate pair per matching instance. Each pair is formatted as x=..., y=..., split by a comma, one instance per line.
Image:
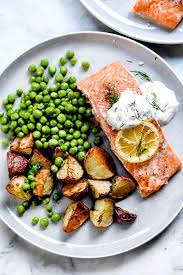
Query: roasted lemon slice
x=138, y=144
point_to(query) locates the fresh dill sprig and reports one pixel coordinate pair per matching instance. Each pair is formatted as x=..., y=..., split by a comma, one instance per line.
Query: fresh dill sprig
x=142, y=75
x=112, y=98
x=139, y=148
x=155, y=106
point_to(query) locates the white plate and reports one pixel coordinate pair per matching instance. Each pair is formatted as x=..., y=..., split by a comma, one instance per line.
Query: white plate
x=154, y=213
x=116, y=15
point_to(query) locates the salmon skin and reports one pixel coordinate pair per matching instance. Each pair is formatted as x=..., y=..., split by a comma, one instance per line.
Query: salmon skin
x=152, y=174
x=167, y=13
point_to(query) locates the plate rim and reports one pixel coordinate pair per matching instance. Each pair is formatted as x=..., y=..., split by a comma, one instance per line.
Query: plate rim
x=106, y=22
x=26, y=235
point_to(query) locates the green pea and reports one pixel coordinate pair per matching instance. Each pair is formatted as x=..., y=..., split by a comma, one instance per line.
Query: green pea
x=32, y=68
x=73, y=61
x=11, y=98
x=44, y=62
x=14, y=116
x=25, y=129
x=37, y=113
x=49, y=111
x=10, y=112
x=73, y=86
x=62, y=93
x=38, y=79
x=48, y=207
x=57, y=101
x=1, y=113
x=53, y=122
x=26, y=186
x=54, y=130
x=46, y=98
x=36, y=134
x=5, y=129
x=46, y=200
x=35, y=86
x=64, y=147
x=5, y=101
x=39, y=126
x=85, y=65
x=54, y=168
x=77, y=94
x=39, y=71
x=73, y=150
x=31, y=126
x=77, y=134
x=13, y=125
x=87, y=145
x=43, y=120
x=74, y=143
x=31, y=178
x=45, y=129
x=81, y=156
x=9, y=107
x=45, y=79
x=56, y=196
x=64, y=86
x=59, y=78
x=69, y=54
x=28, y=103
x=21, y=122
x=35, y=220
x=53, y=88
x=54, y=95
x=27, y=115
x=19, y=92
x=32, y=79
x=45, y=145
x=20, y=210
x=52, y=70
x=45, y=92
x=63, y=70
x=61, y=118
x=44, y=222
x=62, y=133
x=80, y=148
x=43, y=86
x=82, y=110
x=85, y=128
x=63, y=60
x=5, y=143
x=68, y=123
x=58, y=161
x=53, y=143
x=68, y=107
x=56, y=217
x=55, y=137
x=17, y=130
x=38, y=144
x=69, y=137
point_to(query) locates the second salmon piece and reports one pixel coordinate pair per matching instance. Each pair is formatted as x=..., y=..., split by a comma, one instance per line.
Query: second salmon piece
x=167, y=13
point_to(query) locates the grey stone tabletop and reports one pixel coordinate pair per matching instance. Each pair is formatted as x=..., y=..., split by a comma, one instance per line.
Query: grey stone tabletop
x=24, y=24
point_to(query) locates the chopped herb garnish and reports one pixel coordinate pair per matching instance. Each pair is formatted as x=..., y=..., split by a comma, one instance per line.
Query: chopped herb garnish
x=139, y=148
x=112, y=98
x=142, y=75
x=155, y=106
x=129, y=61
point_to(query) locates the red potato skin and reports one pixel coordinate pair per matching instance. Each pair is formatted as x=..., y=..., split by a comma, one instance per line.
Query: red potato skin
x=122, y=216
x=77, y=196
x=82, y=212
x=17, y=164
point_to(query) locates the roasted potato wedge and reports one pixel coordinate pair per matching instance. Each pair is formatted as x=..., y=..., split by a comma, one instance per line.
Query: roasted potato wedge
x=37, y=157
x=99, y=164
x=121, y=188
x=102, y=215
x=44, y=183
x=75, y=191
x=17, y=165
x=14, y=187
x=76, y=214
x=99, y=188
x=59, y=153
x=122, y=216
x=70, y=172
x=23, y=146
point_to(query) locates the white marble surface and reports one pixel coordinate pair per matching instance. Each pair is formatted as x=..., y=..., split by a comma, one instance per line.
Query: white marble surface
x=23, y=24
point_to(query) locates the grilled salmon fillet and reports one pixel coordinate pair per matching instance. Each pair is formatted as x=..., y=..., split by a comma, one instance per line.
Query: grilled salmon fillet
x=167, y=13
x=154, y=173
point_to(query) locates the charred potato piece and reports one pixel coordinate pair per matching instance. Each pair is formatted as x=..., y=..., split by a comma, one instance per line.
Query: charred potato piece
x=37, y=157
x=102, y=215
x=59, y=153
x=44, y=183
x=99, y=164
x=99, y=188
x=75, y=191
x=122, y=216
x=23, y=146
x=17, y=165
x=70, y=172
x=14, y=187
x=76, y=214
x=121, y=187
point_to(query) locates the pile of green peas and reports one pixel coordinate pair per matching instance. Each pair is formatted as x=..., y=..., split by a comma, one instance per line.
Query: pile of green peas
x=56, y=114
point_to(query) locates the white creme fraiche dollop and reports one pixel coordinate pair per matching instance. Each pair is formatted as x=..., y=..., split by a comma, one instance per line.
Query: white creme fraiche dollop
x=156, y=102
x=129, y=111
x=162, y=100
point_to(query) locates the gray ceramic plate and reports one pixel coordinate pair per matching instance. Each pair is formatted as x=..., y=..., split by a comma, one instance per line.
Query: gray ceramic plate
x=116, y=15
x=155, y=213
